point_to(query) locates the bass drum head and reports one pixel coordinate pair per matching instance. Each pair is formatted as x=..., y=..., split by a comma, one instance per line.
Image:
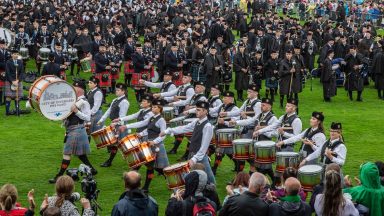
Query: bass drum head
x=308, y=169
x=56, y=101
x=155, y=77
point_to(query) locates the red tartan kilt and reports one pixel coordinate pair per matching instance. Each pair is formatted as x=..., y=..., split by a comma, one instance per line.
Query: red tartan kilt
x=93, y=66
x=104, y=83
x=127, y=68
x=179, y=80
x=2, y=84
x=152, y=71
x=136, y=77
x=63, y=75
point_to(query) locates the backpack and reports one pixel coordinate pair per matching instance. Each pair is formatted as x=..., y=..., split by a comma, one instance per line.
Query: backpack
x=202, y=206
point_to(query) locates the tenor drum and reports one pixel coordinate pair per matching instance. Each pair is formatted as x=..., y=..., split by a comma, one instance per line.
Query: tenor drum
x=310, y=176
x=72, y=53
x=44, y=53
x=168, y=113
x=135, y=152
x=177, y=121
x=52, y=97
x=225, y=137
x=175, y=174
x=24, y=53
x=104, y=137
x=187, y=121
x=85, y=65
x=285, y=160
x=265, y=152
x=243, y=149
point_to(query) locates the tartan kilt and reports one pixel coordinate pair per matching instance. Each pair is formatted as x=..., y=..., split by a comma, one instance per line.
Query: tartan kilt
x=137, y=76
x=93, y=66
x=196, y=76
x=94, y=119
x=269, y=83
x=2, y=82
x=178, y=81
x=104, y=83
x=76, y=141
x=9, y=93
x=127, y=68
x=63, y=75
x=161, y=160
x=117, y=75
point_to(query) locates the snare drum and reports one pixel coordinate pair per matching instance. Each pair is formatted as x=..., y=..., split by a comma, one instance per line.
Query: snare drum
x=243, y=149
x=168, y=113
x=176, y=121
x=175, y=174
x=44, y=53
x=285, y=160
x=72, y=52
x=310, y=176
x=24, y=53
x=104, y=137
x=134, y=152
x=225, y=137
x=85, y=65
x=187, y=121
x=265, y=152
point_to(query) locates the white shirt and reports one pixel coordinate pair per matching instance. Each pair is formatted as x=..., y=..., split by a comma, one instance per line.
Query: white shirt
x=254, y=121
x=256, y=108
x=189, y=94
x=84, y=110
x=123, y=105
x=207, y=136
x=160, y=124
x=136, y=115
x=97, y=100
x=340, y=150
x=216, y=110
x=296, y=126
x=348, y=210
x=160, y=85
x=318, y=139
x=216, y=103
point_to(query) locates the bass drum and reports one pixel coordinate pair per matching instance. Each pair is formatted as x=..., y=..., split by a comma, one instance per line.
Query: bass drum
x=52, y=97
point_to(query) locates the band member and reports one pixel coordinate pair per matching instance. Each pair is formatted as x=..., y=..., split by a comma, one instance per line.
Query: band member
x=43, y=40
x=165, y=86
x=59, y=39
x=288, y=125
x=153, y=126
x=354, y=79
x=14, y=74
x=4, y=56
x=250, y=108
x=377, y=70
x=21, y=38
x=175, y=63
x=118, y=109
x=197, y=60
x=313, y=137
x=51, y=68
x=332, y=151
x=241, y=65
x=141, y=68
x=290, y=77
x=272, y=75
x=202, y=132
x=310, y=50
x=328, y=77
x=265, y=118
x=62, y=60
x=213, y=66
x=227, y=106
x=115, y=60
x=76, y=139
x=102, y=69
x=95, y=99
x=129, y=49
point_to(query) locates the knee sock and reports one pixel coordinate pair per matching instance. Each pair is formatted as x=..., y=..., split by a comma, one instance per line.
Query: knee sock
x=267, y=93
x=85, y=160
x=113, y=83
x=272, y=94
x=359, y=95
x=350, y=95
x=112, y=154
x=7, y=106
x=64, y=165
x=281, y=100
x=211, y=150
x=218, y=160
x=149, y=177
x=240, y=165
x=226, y=87
x=160, y=171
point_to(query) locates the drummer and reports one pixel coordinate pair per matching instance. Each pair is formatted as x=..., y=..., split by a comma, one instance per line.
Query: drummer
x=287, y=126
x=102, y=69
x=202, y=132
x=165, y=86
x=61, y=59
x=265, y=118
x=118, y=109
x=95, y=99
x=313, y=137
x=153, y=126
x=249, y=109
x=332, y=151
x=140, y=65
x=227, y=106
x=143, y=114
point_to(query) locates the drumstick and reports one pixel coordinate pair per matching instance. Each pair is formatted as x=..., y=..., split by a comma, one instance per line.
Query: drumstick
x=249, y=113
x=181, y=97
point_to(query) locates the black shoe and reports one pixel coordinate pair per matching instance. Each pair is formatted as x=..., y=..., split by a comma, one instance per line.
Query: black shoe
x=106, y=164
x=94, y=171
x=25, y=111
x=12, y=112
x=214, y=171
x=53, y=180
x=172, y=151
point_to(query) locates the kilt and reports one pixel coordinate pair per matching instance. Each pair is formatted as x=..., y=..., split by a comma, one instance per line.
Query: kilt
x=9, y=93
x=127, y=67
x=2, y=82
x=269, y=83
x=76, y=142
x=196, y=73
x=106, y=83
x=117, y=75
x=93, y=66
x=137, y=76
x=94, y=119
x=161, y=160
x=63, y=75
x=178, y=81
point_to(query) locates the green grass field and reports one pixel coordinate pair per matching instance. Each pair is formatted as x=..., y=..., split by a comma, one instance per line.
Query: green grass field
x=31, y=146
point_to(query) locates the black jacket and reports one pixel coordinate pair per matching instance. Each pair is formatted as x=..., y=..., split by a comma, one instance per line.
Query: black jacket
x=290, y=208
x=245, y=204
x=51, y=68
x=135, y=202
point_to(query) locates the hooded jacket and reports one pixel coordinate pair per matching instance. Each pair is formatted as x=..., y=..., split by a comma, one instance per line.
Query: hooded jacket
x=135, y=202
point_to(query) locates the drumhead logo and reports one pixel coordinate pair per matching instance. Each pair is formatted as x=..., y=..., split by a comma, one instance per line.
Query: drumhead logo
x=63, y=95
x=58, y=114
